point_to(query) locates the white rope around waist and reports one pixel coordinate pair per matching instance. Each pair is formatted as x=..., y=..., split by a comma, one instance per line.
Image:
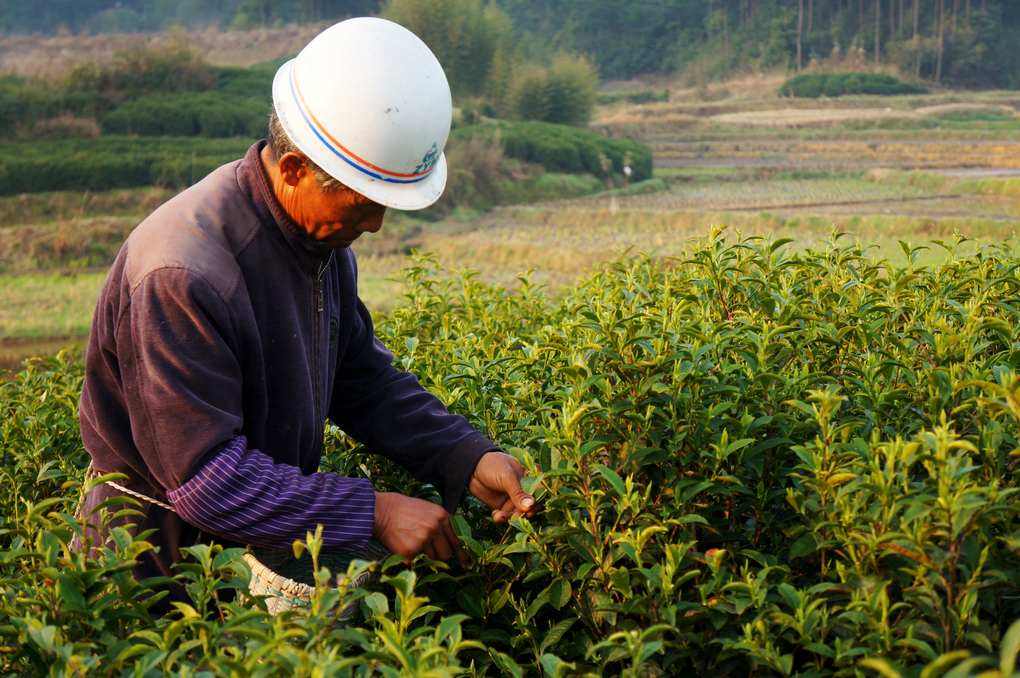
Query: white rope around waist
x=280, y=591
x=92, y=473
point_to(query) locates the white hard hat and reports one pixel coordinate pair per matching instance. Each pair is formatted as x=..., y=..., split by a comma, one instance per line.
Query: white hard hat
x=367, y=101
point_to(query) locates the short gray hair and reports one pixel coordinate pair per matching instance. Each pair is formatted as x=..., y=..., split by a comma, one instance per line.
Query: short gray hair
x=280, y=144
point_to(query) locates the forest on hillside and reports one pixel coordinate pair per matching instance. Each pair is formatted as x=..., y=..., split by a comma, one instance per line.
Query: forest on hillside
x=969, y=43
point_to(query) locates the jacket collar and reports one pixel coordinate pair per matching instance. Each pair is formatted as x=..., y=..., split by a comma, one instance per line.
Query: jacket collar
x=252, y=178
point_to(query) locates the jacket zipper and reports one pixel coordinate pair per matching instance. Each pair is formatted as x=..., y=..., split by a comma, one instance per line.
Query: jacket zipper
x=320, y=306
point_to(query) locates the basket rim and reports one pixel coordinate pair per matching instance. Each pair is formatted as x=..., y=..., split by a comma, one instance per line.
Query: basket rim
x=282, y=585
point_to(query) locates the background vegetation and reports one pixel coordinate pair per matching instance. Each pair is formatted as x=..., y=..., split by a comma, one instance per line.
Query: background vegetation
x=958, y=42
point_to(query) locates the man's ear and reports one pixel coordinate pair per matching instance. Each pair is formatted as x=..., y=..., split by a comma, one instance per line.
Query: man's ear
x=293, y=167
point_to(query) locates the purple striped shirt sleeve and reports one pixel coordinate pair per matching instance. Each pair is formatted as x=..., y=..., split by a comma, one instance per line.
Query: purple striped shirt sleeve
x=241, y=494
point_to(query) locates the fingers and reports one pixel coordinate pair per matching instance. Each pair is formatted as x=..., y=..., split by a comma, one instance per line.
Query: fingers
x=504, y=512
x=522, y=501
x=455, y=545
x=442, y=543
x=510, y=483
x=508, y=510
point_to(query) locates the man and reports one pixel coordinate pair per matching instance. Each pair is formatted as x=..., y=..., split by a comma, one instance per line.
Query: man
x=229, y=327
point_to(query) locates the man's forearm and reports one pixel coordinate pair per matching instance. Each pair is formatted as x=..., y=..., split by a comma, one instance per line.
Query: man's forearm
x=242, y=495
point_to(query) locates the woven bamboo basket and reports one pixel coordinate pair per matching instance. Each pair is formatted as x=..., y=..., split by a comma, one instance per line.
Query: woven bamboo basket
x=288, y=583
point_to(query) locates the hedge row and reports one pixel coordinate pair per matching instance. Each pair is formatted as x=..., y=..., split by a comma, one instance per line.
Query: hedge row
x=122, y=161
x=561, y=148
x=207, y=114
x=816, y=85
x=642, y=97
x=111, y=162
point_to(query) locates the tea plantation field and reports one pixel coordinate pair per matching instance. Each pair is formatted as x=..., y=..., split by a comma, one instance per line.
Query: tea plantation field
x=752, y=459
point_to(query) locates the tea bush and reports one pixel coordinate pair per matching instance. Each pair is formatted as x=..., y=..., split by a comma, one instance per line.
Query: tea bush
x=562, y=148
x=111, y=162
x=814, y=85
x=640, y=97
x=206, y=114
x=750, y=460
x=121, y=161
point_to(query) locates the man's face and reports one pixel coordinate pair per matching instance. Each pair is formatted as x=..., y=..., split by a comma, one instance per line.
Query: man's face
x=336, y=217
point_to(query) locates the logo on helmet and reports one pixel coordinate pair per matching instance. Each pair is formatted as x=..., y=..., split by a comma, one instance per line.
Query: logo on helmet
x=428, y=160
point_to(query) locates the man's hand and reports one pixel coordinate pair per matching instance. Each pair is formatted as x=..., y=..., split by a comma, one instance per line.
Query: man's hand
x=497, y=482
x=408, y=526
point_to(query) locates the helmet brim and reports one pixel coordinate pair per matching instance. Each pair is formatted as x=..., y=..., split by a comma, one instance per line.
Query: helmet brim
x=392, y=192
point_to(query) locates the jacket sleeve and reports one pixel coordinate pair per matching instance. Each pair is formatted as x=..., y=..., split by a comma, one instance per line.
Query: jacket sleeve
x=183, y=385
x=178, y=349
x=243, y=495
x=390, y=412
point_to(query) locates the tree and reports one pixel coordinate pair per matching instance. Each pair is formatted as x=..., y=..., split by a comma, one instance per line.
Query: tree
x=917, y=38
x=941, y=23
x=463, y=34
x=878, y=32
x=800, y=34
x=563, y=92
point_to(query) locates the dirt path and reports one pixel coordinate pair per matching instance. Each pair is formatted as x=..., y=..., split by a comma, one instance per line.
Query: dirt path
x=14, y=352
x=845, y=203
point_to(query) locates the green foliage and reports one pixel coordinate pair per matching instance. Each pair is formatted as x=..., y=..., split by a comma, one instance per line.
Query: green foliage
x=563, y=92
x=252, y=82
x=165, y=92
x=702, y=39
x=207, y=114
x=129, y=16
x=465, y=36
x=814, y=85
x=750, y=460
x=95, y=88
x=622, y=38
x=23, y=102
x=561, y=148
x=482, y=176
x=642, y=97
x=111, y=162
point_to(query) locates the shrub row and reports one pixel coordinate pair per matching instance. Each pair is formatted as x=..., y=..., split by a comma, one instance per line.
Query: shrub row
x=207, y=114
x=111, y=162
x=751, y=461
x=642, y=97
x=121, y=161
x=562, y=148
x=814, y=85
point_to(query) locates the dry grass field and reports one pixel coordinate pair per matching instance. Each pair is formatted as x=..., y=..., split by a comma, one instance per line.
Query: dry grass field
x=745, y=124
x=562, y=240
x=814, y=167
x=35, y=56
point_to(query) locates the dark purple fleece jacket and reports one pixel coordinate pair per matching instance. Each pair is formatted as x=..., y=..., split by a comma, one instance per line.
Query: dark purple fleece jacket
x=222, y=340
